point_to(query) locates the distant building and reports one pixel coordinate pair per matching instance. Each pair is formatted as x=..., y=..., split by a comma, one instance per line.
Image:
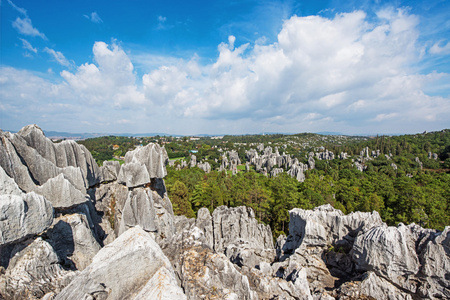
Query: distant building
x=193, y=151
x=194, y=138
x=115, y=147
x=217, y=137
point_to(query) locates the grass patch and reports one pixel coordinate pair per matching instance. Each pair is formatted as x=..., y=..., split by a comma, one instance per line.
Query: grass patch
x=241, y=167
x=177, y=158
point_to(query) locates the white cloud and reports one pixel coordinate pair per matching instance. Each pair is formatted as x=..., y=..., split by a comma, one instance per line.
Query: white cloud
x=24, y=26
x=110, y=81
x=347, y=73
x=161, y=23
x=26, y=45
x=19, y=9
x=323, y=67
x=438, y=49
x=58, y=57
x=94, y=17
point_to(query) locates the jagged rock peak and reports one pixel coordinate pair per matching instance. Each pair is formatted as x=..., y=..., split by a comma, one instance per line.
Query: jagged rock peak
x=142, y=164
x=131, y=267
x=32, y=159
x=325, y=225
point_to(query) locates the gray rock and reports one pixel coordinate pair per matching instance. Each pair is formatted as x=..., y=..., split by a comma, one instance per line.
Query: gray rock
x=138, y=210
x=110, y=171
x=7, y=185
x=232, y=225
x=73, y=241
x=162, y=285
x=209, y=275
x=436, y=266
x=34, y=271
x=327, y=226
x=389, y=252
x=193, y=161
x=379, y=288
x=64, y=154
x=152, y=156
x=22, y=216
x=61, y=193
x=30, y=167
x=133, y=174
x=123, y=269
x=204, y=223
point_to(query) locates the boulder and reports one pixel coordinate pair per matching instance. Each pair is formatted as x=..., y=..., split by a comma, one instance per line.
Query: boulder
x=22, y=216
x=389, y=252
x=138, y=210
x=109, y=171
x=325, y=226
x=125, y=269
x=61, y=193
x=232, y=225
x=34, y=271
x=73, y=241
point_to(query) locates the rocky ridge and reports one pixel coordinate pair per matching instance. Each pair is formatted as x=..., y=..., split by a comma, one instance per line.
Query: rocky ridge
x=71, y=230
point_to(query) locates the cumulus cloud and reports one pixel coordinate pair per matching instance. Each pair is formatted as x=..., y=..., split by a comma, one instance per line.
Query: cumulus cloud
x=110, y=80
x=24, y=26
x=94, y=18
x=349, y=73
x=58, y=57
x=342, y=70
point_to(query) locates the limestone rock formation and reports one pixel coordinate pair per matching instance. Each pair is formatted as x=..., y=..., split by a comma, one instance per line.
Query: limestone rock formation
x=327, y=226
x=232, y=225
x=152, y=156
x=413, y=259
x=124, y=269
x=73, y=240
x=61, y=193
x=33, y=271
x=22, y=216
x=138, y=210
x=109, y=171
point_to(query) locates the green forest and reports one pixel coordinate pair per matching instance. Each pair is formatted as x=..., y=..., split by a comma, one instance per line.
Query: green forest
x=411, y=192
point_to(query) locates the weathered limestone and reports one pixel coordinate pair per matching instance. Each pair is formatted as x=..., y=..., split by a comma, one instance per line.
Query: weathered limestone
x=109, y=171
x=138, y=210
x=410, y=257
x=234, y=224
x=61, y=193
x=22, y=216
x=34, y=271
x=327, y=226
x=7, y=185
x=123, y=270
x=73, y=241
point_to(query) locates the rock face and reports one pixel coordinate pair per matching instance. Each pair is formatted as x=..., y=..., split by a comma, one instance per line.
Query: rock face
x=143, y=164
x=22, y=216
x=138, y=210
x=33, y=271
x=125, y=269
x=233, y=225
x=409, y=257
x=327, y=226
x=73, y=241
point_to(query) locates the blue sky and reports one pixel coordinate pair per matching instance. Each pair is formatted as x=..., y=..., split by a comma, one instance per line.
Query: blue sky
x=189, y=67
